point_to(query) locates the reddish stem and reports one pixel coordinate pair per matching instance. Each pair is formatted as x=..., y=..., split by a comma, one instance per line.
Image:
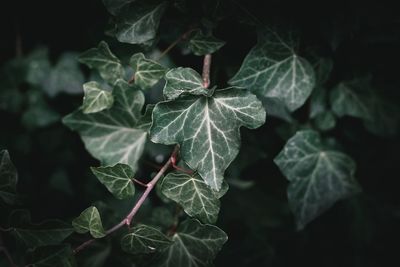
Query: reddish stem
x=206, y=70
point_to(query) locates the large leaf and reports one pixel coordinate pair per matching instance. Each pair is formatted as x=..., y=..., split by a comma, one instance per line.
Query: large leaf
x=117, y=179
x=273, y=69
x=8, y=178
x=193, y=194
x=318, y=177
x=146, y=72
x=102, y=59
x=89, y=221
x=116, y=135
x=96, y=99
x=144, y=239
x=202, y=44
x=207, y=128
x=138, y=23
x=194, y=245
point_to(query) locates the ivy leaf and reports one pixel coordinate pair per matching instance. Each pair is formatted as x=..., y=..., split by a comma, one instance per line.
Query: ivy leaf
x=318, y=177
x=138, y=23
x=147, y=72
x=276, y=108
x=116, y=135
x=325, y=121
x=318, y=102
x=116, y=6
x=96, y=99
x=102, y=59
x=38, y=66
x=184, y=80
x=144, y=239
x=273, y=69
x=50, y=256
x=194, y=245
x=193, y=194
x=202, y=44
x=89, y=221
x=8, y=178
x=207, y=128
x=117, y=179
x=323, y=68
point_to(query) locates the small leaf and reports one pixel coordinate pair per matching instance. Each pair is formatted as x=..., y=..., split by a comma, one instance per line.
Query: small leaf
x=325, y=121
x=102, y=59
x=89, y=221
x=38, y=66
x=207, y=128
x=194, y=245
x=273, y=69
x=138, y=23
x=8, y=178
x=193, y=194
x=318, y=177
x=318, y=102
x=202, y=44
x=117, y=179
x=96, y=99
x=147, y=72
x=144, y=239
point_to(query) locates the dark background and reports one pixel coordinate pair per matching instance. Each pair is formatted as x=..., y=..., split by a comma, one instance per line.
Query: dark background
x=362, y=38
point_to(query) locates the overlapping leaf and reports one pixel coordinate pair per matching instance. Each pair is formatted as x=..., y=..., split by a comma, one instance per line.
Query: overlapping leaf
x=116, y=135
x=207, y=128
x=117, y=179
x=96, y=99
x=147, y=72
x=89, y=221
x=318, y=177
x=8, y=178
x=194, y=245
x=273, y=69
x=144, y=239
x=202, y=44
x=193, y=194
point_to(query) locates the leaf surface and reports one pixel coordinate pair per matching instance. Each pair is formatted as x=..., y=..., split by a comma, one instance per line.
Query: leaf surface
x=89, y=221
x=202, y=44
x=147, y=72
x=96, y=99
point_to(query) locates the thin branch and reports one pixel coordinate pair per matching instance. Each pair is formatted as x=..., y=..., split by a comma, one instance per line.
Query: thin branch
x=206, y=70
x=128, y=219
x=139, y=182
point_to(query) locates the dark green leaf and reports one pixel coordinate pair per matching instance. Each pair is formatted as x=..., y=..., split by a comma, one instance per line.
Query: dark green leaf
x=96, y=99
x=202, y=44
x=147, y=72
x=325, y=121
x=53, y=256
x=89, y=221
x=8, y=178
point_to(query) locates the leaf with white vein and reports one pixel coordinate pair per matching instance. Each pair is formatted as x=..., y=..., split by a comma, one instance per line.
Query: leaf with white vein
x=207, y=128
x=273, y=69
x=146, y=72
x=318, y=177
x=115, y=135
x=89, y=221
x=117, y=179
x=144, y=239
x=193, y=194
x=96, y=99
x=8, y=178
x=202, y=44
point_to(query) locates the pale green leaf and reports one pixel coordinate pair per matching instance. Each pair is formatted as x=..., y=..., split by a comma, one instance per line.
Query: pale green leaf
x=115, y=135
x=103, y=60
x=318, y=177
x=117, y=179
x=96, y=99
x=194, y=245
x=184, y=80
x=144, y=239
x=273, y=69
x=89, y=221
x=202, y=44
x=193, y=194
x=207, y=128
x=8, y=178
x=146, y=72
x=138, y=23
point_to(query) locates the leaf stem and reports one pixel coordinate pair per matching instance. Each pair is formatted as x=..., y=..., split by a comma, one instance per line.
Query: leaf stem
x=206, y=70
x=139, y=182
x=128, y=219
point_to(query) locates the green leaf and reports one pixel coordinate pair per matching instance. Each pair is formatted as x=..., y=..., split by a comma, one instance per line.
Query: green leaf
x=103, y=60
x=38, y=66
x=116, y=6
x=144, y=239
x=117, y=179
x=325, y=121
x=147, y=72
x=273, y=69
x=202, y=44
x=194, y=245
x=276, y=108
x=207, y=128
x=193, y=194
x=138, y=23
x=323, y=68
x=318, y=102
x=116, y=135
x=50, y=256
x=318, y=177
x=8, y=178
x=96, y=99
x=89, y=221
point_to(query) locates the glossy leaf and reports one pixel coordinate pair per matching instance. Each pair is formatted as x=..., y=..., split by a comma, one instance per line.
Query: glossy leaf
x=96, y=99
x=318, y=177
x=273, y=69
x=117, y=179
x=202, y=44
x=146, y=72
x=8, y=178
x=89, y=221
x=207, y=128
